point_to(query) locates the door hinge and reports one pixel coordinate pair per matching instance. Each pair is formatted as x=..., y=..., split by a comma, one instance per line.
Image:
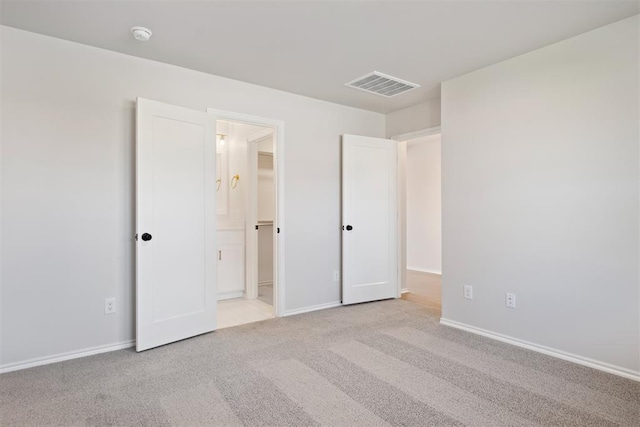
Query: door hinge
x=278, y=230
x=256, y=226
x=136, y=237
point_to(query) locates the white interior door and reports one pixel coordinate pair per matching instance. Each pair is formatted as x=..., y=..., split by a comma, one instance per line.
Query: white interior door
x=369, y=219
x=176, y=224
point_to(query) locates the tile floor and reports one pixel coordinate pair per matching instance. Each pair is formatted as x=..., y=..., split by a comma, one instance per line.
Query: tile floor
x=238, y=311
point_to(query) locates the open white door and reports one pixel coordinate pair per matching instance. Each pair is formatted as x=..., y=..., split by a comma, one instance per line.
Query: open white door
x=369, y=219
x=175, y=224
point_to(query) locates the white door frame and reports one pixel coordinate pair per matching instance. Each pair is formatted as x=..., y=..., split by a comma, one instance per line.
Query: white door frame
x=252, y=213
x=402, y=199
x=417, y=134
x=278, y=222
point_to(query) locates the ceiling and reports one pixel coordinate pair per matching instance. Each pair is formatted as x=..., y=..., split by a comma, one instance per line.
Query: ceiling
x=313, y=48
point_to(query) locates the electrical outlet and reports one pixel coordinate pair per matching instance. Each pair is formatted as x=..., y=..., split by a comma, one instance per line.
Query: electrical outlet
x=336, y=275
x=468, y=291
x=511, y=300
x=109, y=305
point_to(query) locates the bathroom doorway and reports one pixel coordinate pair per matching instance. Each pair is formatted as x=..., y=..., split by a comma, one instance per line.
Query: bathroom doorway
x=246, y=190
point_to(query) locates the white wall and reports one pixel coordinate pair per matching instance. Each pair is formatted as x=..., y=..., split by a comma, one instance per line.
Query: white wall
x=540, y=162
x=418, y=117
x=266, y=145
x=424, y=210
x=266, y=188
x=68, y=186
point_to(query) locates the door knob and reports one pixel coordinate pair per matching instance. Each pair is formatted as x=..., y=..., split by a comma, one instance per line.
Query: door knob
x=146, y=237
x=349, y=228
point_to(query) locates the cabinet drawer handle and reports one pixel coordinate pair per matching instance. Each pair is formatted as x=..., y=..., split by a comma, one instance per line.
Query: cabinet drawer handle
x=219, y=255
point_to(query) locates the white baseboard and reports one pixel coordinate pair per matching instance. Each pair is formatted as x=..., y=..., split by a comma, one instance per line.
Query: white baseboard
x=585, y=361
x=39, y=361
x=424, y=270
x=404, y=291
x=312, y=308
x=230, y=295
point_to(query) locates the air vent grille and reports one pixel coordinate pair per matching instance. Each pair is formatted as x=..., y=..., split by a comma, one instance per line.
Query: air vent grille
x=381, y=84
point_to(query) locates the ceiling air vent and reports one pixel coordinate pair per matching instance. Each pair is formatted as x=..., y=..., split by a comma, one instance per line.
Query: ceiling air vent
x=381, y=84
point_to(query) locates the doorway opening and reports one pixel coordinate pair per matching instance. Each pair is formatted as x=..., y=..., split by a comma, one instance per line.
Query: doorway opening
x=246, y=189
x=422, y=216
x=198, y=233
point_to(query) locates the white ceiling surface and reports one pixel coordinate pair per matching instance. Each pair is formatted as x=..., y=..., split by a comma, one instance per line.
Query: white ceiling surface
x=313, y=48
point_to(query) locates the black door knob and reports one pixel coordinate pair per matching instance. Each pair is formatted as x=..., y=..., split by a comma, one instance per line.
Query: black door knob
x=349, y=228
x=146, y=237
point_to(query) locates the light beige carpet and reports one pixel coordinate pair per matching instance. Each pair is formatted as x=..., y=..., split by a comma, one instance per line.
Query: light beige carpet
x=385, y=363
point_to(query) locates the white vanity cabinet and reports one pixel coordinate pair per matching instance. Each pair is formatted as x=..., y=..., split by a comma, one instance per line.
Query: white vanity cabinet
x=231, y=268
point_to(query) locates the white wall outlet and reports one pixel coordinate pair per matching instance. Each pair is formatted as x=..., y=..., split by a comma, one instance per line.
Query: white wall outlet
x=336, y=275
x=109, y=305
x=468, y=291
x=511, y=300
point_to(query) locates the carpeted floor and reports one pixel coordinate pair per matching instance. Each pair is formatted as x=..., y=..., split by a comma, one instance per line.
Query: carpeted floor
x=384, y=363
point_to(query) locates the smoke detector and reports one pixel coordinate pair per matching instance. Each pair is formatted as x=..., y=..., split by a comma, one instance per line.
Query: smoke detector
x=381, y=84
x=141, y=34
